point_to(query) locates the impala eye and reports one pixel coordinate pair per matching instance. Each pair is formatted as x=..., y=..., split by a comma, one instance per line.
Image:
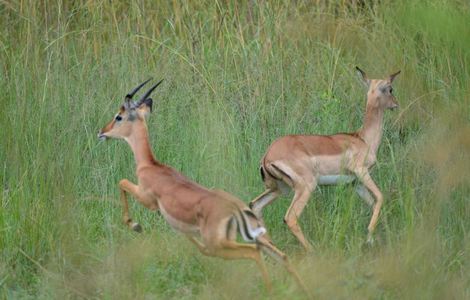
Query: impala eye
x=391, y=90
x=118, y=118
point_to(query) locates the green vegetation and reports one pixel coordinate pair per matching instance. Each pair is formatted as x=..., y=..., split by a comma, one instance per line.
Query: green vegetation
x=237, y=76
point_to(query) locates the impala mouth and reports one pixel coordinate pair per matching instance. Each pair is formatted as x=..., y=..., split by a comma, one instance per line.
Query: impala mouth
x=102, y=137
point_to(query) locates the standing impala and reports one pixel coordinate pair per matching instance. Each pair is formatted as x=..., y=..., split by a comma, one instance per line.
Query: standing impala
x=302, y=162
x=212, y=215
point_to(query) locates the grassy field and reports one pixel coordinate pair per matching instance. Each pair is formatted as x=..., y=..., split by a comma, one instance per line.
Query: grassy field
x=237, y=76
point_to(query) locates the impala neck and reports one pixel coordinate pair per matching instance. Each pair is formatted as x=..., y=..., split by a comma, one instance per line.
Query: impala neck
x=139, y=142
x=371, y=130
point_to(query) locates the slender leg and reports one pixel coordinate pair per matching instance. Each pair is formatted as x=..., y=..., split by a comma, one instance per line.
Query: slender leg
x=266, y=198
x=302, y=194
x=198, y=244
x=233, y=250
x=364, y=176
x=268, y=247
x=362, y=191
x=128, y=187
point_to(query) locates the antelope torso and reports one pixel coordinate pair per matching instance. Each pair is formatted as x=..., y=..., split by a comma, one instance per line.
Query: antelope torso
x=187, y=209
x=158, y=183
x=325, y=159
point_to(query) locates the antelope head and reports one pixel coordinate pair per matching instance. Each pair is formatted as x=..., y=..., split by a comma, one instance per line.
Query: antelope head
x=380, y=91
x=130, y=114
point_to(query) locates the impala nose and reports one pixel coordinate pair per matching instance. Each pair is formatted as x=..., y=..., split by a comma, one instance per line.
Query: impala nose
x=393, y=105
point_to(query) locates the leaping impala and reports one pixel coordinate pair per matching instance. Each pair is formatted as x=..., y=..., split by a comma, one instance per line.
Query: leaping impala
x=302, y=162
x=209, y=218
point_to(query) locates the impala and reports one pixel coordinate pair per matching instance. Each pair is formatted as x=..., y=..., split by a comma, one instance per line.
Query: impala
x=302, y=162
x=209, y=218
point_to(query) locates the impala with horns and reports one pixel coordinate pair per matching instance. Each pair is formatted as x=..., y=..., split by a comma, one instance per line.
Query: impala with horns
x=302, y=162
x=210, y=219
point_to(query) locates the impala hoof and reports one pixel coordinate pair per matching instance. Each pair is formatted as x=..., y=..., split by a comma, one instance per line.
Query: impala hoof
x=370, y=241
x=308, y=249
x=369, y=244
x=136, y=227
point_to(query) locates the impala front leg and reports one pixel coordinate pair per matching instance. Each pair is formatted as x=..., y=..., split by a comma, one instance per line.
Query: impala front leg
x=125, y=187
x=364, y=176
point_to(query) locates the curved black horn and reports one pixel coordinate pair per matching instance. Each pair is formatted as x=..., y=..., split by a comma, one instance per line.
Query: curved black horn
x=145, y=96
x=132, y=93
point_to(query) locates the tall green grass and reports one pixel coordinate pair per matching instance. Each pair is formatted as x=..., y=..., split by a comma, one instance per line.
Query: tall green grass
x=237, y=76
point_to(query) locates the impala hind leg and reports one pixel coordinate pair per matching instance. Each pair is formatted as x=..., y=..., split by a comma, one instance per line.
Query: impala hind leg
x=125, y=187
x=362, y=191
x=364, y=176
x=268, y=247
x=257, y=205
x=227, y=249
x=218, y=238
x=201, y=247
x=301, y=197
x=266, y=198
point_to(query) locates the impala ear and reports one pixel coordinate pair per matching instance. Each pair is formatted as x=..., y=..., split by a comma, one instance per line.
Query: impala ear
x=392, y=77
x=363, y=77
x=146, y=106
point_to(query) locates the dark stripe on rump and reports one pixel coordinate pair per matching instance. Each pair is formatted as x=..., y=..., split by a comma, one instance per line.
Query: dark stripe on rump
x=282, y=172
x=245, y=226
x=263, y=176
x=250, y=213
x=271, y=174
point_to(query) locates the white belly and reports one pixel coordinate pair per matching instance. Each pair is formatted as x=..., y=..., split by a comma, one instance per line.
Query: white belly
x=335, y=179
x=177, y=224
